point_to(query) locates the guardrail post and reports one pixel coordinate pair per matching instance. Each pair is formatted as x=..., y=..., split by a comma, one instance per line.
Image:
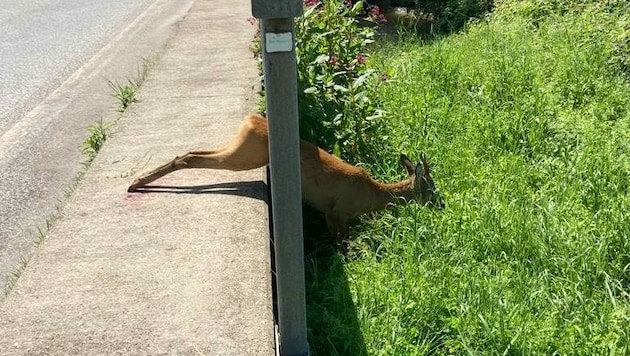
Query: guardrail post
x=280, y=72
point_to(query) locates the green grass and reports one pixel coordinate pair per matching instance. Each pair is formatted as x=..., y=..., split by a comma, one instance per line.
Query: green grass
x=99, y=132
x=528, y=128
x=125, y=94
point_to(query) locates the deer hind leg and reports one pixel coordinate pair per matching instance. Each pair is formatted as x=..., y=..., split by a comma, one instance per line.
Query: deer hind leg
x=218, y=159
x=247, y=150
x=180, y=162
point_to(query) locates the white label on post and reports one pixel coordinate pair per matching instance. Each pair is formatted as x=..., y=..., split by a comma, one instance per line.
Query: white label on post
x=279, y=42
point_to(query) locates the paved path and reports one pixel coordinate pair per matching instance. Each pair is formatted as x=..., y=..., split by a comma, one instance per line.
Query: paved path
x=183, y=270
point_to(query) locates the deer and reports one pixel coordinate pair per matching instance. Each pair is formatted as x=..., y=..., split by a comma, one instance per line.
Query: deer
x=339, y=190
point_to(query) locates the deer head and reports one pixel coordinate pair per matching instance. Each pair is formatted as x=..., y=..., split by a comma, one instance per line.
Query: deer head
x=424, y=191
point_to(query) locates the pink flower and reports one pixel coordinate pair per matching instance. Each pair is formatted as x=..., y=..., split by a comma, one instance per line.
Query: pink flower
x=311, y=3
x=252, y=21
x=361, y=59
x=376, y=14
x=333, y=60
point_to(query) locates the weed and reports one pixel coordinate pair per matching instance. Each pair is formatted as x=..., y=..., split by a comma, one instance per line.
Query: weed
x=99, y=132
x=124, y=94
x=337, y=109
x=143, y=71
x=13, y=278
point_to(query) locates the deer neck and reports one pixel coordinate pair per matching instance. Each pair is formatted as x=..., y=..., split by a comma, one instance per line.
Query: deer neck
x=392, y=193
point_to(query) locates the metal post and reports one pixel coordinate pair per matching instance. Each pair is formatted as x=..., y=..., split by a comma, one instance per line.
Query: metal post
x=286, y=192
x=279, y=66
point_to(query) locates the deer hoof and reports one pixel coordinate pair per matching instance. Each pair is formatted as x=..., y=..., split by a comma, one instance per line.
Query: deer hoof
x=134, y=186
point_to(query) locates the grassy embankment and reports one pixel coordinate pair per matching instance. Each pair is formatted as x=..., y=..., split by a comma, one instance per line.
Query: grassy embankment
x=526, y=118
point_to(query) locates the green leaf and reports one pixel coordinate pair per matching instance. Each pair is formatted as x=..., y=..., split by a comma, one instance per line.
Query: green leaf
x=322, y=58
x=363, y=78
x=337, y=150
x=309, y=11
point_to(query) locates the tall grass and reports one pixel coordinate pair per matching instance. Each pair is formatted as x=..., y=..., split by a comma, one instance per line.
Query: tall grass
x=528, y=128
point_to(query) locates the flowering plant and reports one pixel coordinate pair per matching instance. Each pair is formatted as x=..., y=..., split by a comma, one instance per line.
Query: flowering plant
x=335, y=82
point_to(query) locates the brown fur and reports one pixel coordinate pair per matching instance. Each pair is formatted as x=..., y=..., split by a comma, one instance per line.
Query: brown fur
x=340, y=190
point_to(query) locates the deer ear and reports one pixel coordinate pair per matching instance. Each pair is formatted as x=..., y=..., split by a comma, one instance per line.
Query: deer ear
x=404, y=160
x=419, y=171
x=426, y=168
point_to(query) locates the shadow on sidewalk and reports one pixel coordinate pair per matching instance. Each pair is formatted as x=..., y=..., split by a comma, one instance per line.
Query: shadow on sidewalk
x=251, y=189
x=332, y=321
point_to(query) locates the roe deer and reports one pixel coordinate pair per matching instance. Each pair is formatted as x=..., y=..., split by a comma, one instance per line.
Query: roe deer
x=340, y=190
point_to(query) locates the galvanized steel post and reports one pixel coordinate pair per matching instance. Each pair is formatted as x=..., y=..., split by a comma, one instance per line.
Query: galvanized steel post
x=280, y=73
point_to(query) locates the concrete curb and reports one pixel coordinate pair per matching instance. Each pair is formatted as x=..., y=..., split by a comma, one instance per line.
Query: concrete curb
x=184, y=269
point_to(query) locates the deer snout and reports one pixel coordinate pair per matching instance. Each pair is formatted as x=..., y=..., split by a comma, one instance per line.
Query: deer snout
x=436, y=202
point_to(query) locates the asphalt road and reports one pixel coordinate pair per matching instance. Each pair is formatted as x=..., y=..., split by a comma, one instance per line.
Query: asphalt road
x=55, y=59
x=43, y=42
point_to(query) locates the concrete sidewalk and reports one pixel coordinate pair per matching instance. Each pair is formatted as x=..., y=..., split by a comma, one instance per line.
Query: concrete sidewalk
x=181, y=270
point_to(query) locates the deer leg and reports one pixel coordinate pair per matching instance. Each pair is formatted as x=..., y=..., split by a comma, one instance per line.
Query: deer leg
x=344, y=236
x=331, y=223
x=194, y=159
x=337, y=226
